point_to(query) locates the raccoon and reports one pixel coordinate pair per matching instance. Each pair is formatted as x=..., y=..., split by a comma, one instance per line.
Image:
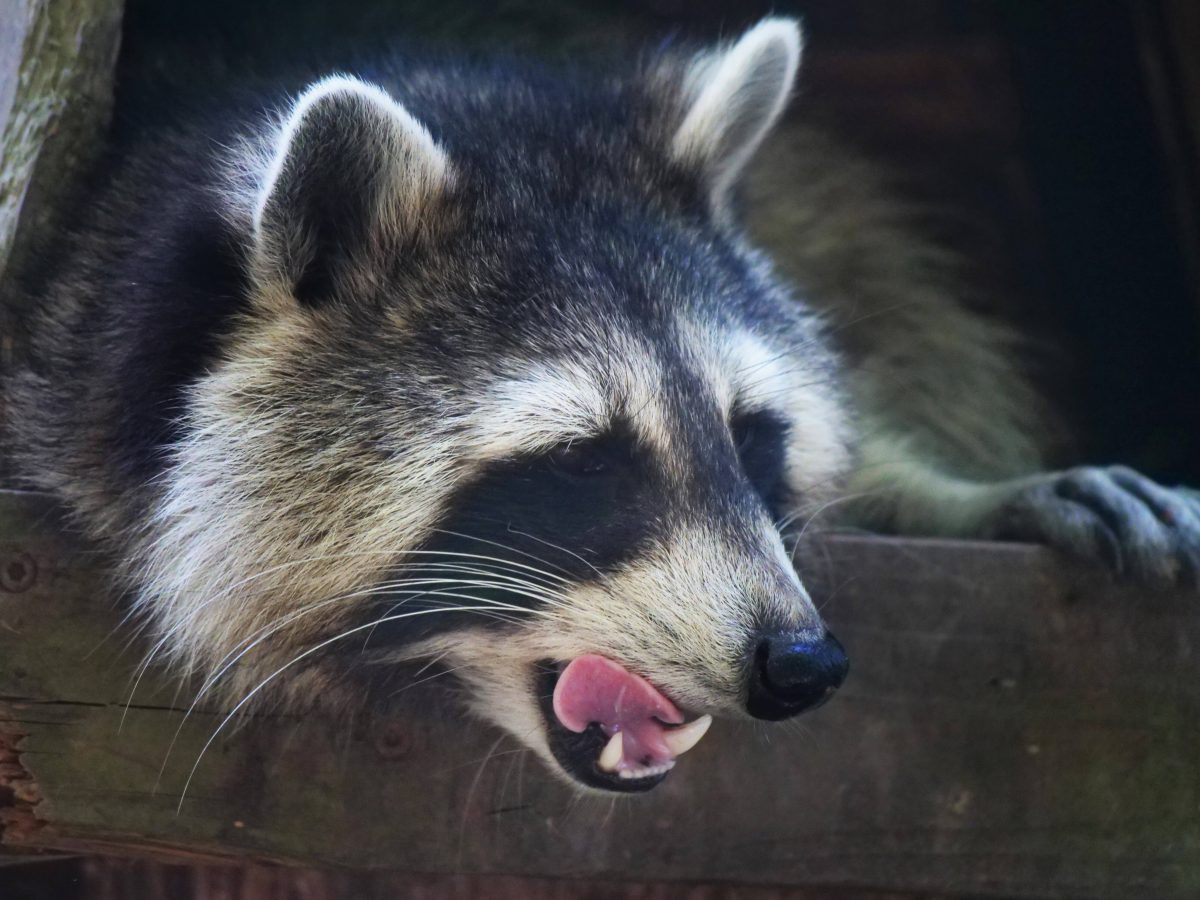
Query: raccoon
x=475, y=364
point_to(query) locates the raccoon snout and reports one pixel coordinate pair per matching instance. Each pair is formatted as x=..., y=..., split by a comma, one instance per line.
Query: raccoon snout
x=793, y=672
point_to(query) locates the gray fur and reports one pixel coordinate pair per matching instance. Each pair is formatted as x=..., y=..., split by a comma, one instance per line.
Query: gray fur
x=269, y=421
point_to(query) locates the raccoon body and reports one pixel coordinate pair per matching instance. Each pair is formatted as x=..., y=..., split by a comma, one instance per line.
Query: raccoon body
x=476, y=364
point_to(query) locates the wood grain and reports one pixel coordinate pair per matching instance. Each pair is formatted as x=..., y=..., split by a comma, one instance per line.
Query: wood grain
x=1012, y=727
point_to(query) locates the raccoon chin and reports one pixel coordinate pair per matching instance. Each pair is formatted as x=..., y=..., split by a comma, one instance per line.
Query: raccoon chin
x=609, y=729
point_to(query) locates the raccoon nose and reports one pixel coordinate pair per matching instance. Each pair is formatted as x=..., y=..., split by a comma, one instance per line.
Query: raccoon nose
x=792, y=672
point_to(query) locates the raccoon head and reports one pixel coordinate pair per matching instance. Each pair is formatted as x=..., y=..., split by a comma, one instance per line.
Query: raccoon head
x=515, y=396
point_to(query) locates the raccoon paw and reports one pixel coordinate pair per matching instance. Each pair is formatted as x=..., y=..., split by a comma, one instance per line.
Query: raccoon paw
x=1141, y=530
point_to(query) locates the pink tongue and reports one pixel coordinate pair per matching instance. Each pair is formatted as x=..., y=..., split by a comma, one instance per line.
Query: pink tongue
x=594, y=689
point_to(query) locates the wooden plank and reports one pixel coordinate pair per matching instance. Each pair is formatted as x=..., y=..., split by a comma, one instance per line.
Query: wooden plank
x=1012, y=727
x=115, y=879
x=48, y=879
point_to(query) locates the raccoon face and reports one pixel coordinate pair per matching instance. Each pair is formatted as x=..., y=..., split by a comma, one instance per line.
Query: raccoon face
x=519, y=400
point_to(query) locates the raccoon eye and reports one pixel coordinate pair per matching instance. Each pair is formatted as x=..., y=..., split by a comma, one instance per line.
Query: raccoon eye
x=578, y=459
x=748, y=430
x=760, y=439
x=742, y=429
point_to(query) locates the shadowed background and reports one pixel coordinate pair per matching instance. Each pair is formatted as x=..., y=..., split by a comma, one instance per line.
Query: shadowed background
x=1055, y=143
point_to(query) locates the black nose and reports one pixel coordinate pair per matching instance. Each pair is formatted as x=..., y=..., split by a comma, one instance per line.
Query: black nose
x=792, y=672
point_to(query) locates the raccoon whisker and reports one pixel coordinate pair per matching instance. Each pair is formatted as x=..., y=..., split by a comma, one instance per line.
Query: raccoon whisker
x=555, y=546
x=214, y=678
x=427, y=678
x=798, y=537
x=143, y=666
x=842, y=326
x=550, y=576
x=787, y=521
x=432, y=662
x=293, y=661
x=517, y=594
x=512, y=764
x=516, y=588
x=493, y=616
x=828, y=330
x=407, y=586
x=612, y=809
x=237, y=653
x=462, y=831
x=491, y=754
x=791, y=350
x=125, y=623
x=523, y=611
x=834, y=593
x=390, y=589
x=423, y=565
x=785, y=389
x=798, y=348
x=532, y=556
x=551, y=544
x=169, y=633
x=521, y=776
x=496, y=616
x=471, y=762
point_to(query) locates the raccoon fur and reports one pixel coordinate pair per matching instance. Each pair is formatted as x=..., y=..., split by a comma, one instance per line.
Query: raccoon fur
x=476, y=363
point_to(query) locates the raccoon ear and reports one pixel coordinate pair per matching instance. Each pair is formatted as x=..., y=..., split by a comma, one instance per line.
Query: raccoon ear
x=732, y=97
x=351, y=176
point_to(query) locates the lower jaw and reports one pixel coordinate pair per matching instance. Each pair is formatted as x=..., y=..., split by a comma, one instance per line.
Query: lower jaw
x=578, y=753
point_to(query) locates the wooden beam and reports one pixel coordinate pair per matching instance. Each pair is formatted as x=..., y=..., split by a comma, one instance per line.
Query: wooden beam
x=1012, y=726
x=109, y=878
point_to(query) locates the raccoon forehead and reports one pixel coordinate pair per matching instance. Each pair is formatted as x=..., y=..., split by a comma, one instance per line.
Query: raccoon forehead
x=746, y=371
x=546, y=403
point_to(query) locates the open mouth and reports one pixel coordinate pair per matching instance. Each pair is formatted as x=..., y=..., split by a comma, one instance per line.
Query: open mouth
x=611, y=729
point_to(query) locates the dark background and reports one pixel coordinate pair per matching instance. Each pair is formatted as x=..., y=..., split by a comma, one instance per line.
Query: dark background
x=1059, y=139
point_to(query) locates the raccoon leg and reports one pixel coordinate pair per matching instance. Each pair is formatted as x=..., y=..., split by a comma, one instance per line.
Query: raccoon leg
x=1138, y=528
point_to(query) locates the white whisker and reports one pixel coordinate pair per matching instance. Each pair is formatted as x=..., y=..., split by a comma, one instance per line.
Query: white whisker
x=299, y=657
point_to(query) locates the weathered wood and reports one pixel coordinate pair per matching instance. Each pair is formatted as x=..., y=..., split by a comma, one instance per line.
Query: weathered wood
x=1012, y=726
x=56, y=65
x=116, y=879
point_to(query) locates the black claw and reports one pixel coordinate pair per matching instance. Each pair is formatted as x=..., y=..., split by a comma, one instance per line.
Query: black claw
x=1108, y=546
x=1140, y=530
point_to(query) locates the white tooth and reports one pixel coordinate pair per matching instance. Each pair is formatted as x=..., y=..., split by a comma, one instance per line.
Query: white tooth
x=682, y=739
x=610, y=756
x=647, y=771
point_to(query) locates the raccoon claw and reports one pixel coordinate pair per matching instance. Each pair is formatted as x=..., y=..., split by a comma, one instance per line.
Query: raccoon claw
x=1141, y=530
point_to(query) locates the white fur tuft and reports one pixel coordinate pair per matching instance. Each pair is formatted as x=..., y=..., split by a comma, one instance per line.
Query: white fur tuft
x=344, y=143
x=422, y=159
x=736, y=94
